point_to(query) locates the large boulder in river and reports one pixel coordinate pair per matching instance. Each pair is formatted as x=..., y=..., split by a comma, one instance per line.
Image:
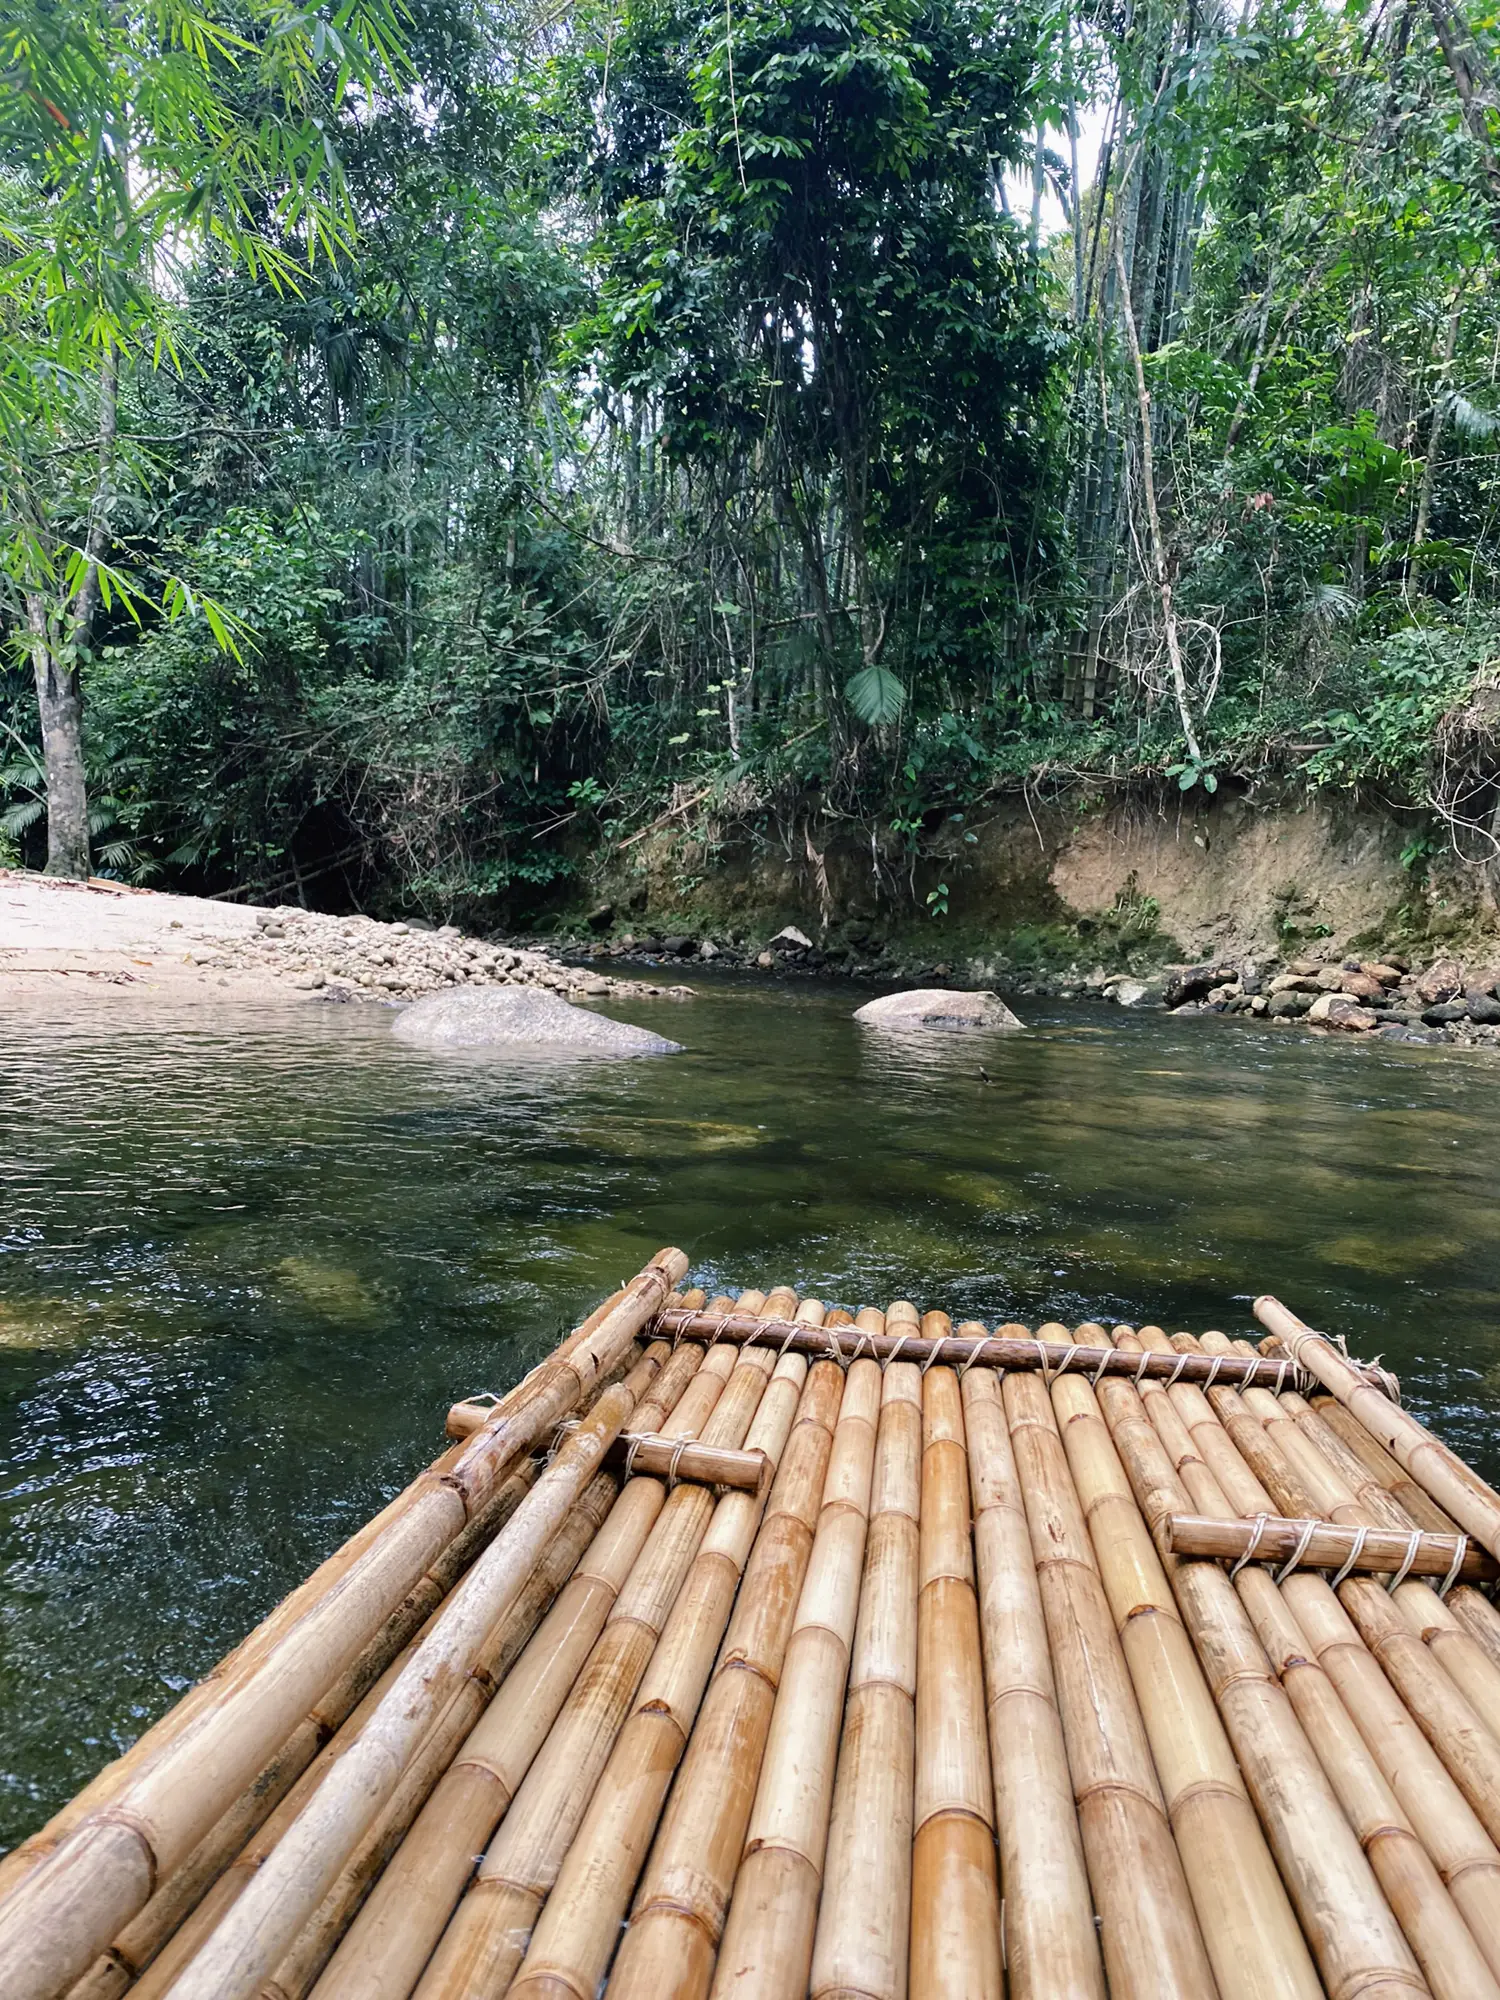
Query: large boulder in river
x=521, y=1017
x=937, y=1007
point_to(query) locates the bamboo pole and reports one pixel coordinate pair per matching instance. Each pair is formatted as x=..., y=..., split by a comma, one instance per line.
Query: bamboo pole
x=390, y=1940
x=675, y=1927
x=1362, y=1501
x=1303, y=1483
x=768, y=1937
x=1150, y=1937
x=503, y=1645
x=165, y=1917
x=149, y=1746
x=1343, y=1701
x=864, y=1924
x=955, y=1890
x=288, y=1889
x=138, y=1944
x=1290, y=1773
x=486, y=1938
x=580, y=1926
x=1438, y=1471
x=1329, y=1546
x=105, y=1867
x=310, y=1952
x=1051, y=1945
x=1017, y=1350
x=1461, y=1849
x=1422, y=1508
x=1252, y=1937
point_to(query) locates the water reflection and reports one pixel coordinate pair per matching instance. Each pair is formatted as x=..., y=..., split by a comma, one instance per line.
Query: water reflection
x=244, y=1267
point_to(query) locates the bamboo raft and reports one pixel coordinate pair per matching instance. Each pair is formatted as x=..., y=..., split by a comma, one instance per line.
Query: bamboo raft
x=748, y=1649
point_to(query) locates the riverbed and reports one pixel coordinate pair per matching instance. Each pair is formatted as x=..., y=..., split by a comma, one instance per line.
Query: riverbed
x=247, y=1259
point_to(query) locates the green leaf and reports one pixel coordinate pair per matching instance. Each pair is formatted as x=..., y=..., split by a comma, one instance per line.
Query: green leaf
x=875, y=695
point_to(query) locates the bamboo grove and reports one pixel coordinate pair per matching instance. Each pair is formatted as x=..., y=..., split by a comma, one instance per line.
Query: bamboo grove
x=435, y=441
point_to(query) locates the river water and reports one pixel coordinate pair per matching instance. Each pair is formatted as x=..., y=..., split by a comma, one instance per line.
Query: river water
x=247, y=1262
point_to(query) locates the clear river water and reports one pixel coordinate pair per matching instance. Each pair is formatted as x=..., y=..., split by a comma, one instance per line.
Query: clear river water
x=246, y=1262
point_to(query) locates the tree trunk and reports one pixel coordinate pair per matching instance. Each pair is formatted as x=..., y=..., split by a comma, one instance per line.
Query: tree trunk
x=59, y=639
x=59, y=699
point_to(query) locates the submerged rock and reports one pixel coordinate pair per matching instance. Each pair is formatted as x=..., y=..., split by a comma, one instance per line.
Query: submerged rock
x=937, y=1007
x=521, y=1017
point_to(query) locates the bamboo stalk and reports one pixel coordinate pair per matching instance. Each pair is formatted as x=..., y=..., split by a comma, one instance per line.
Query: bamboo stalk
x=167, y=1916
x=309, y=1954
x=1346, y=1918
x=1462, y=1851
x=864, y=1924
x=104, y=1869
x=288, y=1889
x=1365, y=1501
x=1150, y=1938
x=1438, y=1471
x=1008, y=1350
x=391, y=1938
x=138, y=1945
x=1343, y=1699
x=1303, y=1483
x=486, y=1939
x=1252, y=1937
x=768, y=1937
x=1329, y=1546
x=1051, y=1945
x=1373, y=1455
x=149, y=1746
x=955, y=1891
x=580, y=1926
x=675, y=1927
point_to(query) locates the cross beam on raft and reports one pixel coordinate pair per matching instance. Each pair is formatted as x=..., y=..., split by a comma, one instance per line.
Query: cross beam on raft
x=669, y=1458
x=1296, y=1544
x=1010, y=1351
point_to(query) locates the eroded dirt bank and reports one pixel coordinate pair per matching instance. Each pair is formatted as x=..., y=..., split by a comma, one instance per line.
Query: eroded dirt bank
x=1259, y=905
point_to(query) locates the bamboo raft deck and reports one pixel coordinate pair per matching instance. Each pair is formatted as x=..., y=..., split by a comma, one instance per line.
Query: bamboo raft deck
x=751, y=1649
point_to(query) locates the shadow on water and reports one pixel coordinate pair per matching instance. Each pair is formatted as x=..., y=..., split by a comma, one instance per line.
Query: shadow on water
x=245, y=1266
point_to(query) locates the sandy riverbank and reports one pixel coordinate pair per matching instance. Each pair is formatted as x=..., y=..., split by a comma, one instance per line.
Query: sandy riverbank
x=103, y=936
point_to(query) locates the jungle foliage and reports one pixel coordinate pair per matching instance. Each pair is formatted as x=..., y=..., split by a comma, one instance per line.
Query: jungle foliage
x=438, y=441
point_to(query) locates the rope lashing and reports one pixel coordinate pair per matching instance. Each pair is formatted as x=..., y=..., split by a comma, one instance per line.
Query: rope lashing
x=1399, y=1576
x=974, y=1353
x=1262, y=1522
x=1294, y=1560
x=1360, y=1537
x=676, y=1460
x=1454, y=1567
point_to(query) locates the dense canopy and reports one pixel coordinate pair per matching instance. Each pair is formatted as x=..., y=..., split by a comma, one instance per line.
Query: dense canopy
x=437, y=438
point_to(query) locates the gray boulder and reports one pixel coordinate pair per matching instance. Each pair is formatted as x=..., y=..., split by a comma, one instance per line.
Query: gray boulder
x=521, y=1017
x=1131, y=993
x=937, y=1007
